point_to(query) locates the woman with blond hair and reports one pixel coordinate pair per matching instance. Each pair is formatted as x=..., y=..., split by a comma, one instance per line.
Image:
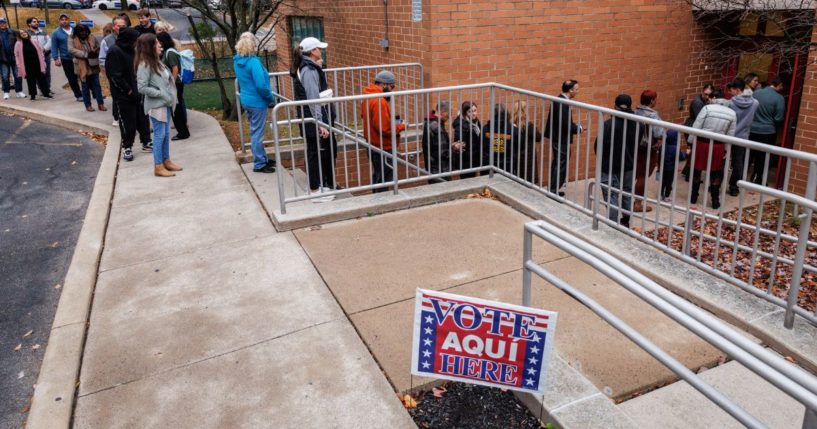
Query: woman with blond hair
x=155, y=82
x=525, y=165
x=256, y=97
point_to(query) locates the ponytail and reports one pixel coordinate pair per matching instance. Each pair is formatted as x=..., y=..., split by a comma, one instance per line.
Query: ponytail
x=297, y=59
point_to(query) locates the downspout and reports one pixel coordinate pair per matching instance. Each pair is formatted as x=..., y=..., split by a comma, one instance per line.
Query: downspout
x=385, y=42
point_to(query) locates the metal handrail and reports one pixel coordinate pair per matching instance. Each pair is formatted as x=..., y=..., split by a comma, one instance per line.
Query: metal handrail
x=793, y=380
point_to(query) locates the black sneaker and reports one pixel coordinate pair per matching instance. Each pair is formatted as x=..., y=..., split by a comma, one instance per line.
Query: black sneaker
x=265, y=169
x=734, y=191
x=147, y=147
x=127, y=154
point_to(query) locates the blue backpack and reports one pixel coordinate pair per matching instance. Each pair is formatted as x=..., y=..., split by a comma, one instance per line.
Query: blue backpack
x=188, y=65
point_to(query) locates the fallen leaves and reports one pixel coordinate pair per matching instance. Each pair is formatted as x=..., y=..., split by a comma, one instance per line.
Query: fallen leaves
x=761, y=272
x=99, y=138
x=408, y=401
x=28, y=334
x=485, y=193
x=35, y=347
x=18, y=348
x=54, y=244
x=57, y=286
x=438, y=392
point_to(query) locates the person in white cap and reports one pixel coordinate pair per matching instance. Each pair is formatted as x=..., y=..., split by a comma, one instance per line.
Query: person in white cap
x=310, y=84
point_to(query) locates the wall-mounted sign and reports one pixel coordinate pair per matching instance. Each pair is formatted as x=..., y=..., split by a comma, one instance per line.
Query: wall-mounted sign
x=481, y=342
x=417, y=10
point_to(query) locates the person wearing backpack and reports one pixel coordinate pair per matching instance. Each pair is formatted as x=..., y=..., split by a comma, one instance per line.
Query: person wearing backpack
x=172, y=60
x=155, y=83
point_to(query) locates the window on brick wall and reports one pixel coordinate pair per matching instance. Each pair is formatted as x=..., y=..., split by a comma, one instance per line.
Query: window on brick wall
x=301, y=27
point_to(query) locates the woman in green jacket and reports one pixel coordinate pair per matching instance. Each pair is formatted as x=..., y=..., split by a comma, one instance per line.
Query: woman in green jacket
x=155, y=82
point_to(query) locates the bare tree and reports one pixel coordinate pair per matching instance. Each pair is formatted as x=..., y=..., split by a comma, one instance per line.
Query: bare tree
x=229, y=19
x=736, y=27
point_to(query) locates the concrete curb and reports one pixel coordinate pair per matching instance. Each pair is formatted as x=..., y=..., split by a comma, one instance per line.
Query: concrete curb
x=53, y=403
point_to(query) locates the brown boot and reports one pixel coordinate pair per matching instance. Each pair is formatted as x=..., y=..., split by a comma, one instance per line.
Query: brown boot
x=101, y=108
x=160, y=171
x=171, y=166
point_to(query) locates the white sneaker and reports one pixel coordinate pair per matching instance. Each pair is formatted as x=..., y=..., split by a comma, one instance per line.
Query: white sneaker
x=21, y=95
x=324, y=199
x=115, y=123
x=5, y=96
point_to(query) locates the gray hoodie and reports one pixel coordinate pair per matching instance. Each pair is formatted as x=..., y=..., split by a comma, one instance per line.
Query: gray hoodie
x=744, y=106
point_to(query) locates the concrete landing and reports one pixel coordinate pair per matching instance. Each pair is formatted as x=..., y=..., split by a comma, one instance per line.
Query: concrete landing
x=474, y=247
x=680, y=405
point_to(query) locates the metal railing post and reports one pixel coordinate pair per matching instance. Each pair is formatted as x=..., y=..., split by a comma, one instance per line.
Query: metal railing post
x=280, y=170
x=491, y=134
x=527, y=250
x=802, y=243
x=240, y=119
x=395, y=170
x=597, y=187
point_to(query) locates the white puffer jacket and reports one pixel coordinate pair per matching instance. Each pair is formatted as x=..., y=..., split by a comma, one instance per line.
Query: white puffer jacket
x=717, y=118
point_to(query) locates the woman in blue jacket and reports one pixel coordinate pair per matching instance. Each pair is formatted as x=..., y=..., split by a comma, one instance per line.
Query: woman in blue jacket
x=256, y=97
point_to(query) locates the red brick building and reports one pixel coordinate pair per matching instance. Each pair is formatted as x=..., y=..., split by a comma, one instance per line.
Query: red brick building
x=610, y=46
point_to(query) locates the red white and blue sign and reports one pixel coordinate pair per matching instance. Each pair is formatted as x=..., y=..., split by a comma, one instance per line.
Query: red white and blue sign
x=481, y=342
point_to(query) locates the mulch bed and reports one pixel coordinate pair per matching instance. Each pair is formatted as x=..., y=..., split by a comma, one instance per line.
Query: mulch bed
x=469, y=406
x=763, y=266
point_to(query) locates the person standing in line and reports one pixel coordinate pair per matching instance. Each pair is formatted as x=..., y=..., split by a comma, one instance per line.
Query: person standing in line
x=745, y=107
x=256, y=97
x=560, y=129
x=107, y=43
x=310, y=84
x=31, y=65
x=377, y=130
x=84, y=47
x=60, y=40
x=504, y=137
x=155, y=83
x=8, y=63
x=716, y=117
x=695, y=108
x=649, y=151
x=668, y=165
x=467, y=146
x=436, y=141
x=619, y=143
x=768, y=119
x=122, y=81
x=45, y=42
x=172, y=60
x=145, y=26
x=752, y=81
x=525, y=159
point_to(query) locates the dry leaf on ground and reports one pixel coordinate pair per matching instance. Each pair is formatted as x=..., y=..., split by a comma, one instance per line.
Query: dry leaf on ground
x=409, y=402
x=27, y=334
x=35, y=347
x=438, y=392
x=57, y=286
x=19, y=346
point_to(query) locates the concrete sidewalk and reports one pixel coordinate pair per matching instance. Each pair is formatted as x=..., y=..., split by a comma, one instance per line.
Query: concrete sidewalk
x=203, y=314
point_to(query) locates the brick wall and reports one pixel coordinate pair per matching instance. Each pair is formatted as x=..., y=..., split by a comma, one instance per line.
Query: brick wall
x=806, y=123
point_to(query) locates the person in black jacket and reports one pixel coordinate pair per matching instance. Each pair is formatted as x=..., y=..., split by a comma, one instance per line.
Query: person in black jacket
x=504, y=139
x=467, y=146
x=560, y=130
x=618, y=146
x=436, y=142
x=122, y=81
x=525, y=163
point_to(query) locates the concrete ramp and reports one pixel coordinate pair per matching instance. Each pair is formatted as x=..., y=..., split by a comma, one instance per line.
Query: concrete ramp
x=473, y=247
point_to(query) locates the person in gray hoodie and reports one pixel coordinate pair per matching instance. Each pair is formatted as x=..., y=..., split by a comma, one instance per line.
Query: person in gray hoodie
x=744, y=106
x=768, y=118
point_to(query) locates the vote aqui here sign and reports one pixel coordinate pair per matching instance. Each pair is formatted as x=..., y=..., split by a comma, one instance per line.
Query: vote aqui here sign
x=481, y=342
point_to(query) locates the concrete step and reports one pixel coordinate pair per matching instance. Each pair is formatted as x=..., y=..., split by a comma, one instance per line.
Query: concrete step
x=679, y=405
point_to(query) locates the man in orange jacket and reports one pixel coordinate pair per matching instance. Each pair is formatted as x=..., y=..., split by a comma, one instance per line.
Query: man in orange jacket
x=377, y=130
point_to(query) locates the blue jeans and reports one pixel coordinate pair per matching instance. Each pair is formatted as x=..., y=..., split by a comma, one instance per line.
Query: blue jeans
x=91, y=84
x=257, y=117
x=6, y=72
x=161, y=138
x=617, y=187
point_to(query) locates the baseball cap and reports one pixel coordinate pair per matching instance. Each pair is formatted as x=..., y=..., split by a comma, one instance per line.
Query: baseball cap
x=624, y=100
x=384, y=77
x=3, y=19
x=311, y=43
x=61, y=15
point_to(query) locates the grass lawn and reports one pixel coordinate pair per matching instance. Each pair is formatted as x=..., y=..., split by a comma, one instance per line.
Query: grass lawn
x=206, y=95
x=24, y=13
